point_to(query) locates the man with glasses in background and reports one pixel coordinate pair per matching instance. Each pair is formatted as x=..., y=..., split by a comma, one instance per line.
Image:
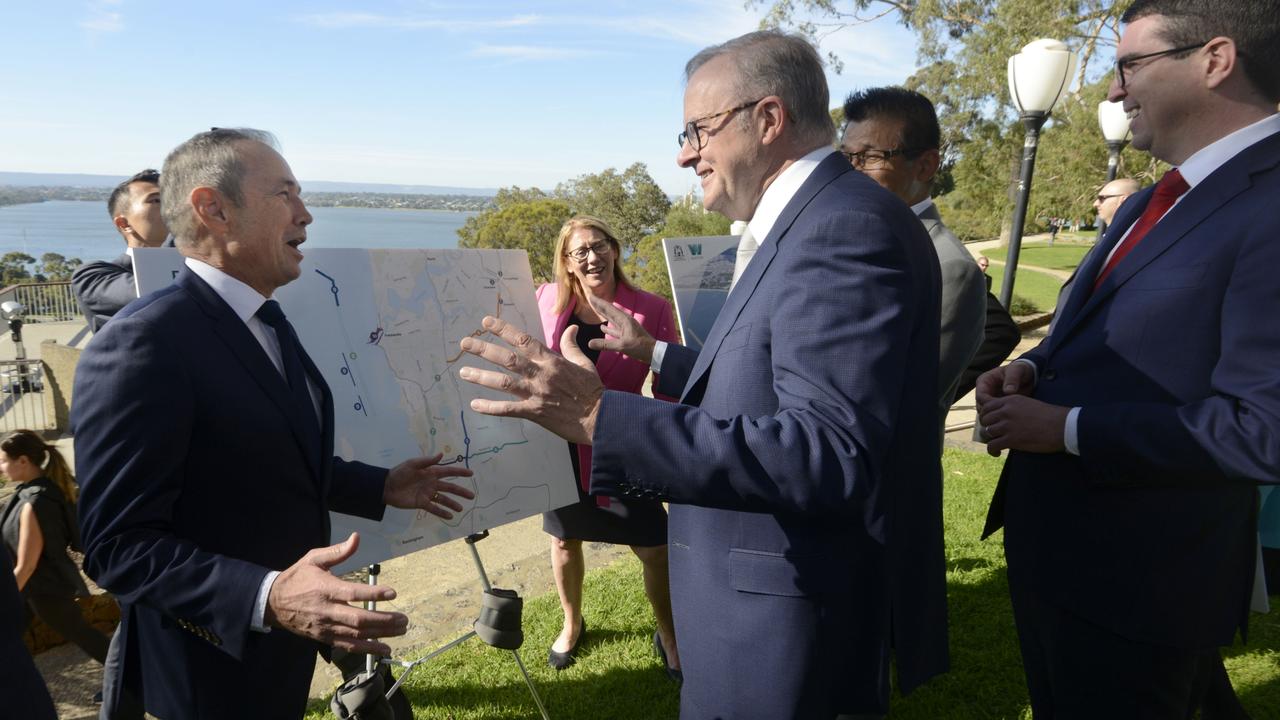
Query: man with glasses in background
x=892, y=135
x=801, y=464
x=1111, y=197
x=1143, y=423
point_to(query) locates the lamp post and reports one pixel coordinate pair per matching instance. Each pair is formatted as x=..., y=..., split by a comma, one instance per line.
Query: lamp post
x=1115, y=130
x=1037, y=78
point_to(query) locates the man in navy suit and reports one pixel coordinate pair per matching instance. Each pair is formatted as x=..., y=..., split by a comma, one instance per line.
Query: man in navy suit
x=204, y=448
x=802, y=461
x=1142, y=424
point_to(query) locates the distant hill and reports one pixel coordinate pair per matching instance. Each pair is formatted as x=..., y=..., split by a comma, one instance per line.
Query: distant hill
x=23, y=179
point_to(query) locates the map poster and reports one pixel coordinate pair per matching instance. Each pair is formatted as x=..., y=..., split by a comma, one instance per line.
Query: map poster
x=701, y=269
x=383, y=326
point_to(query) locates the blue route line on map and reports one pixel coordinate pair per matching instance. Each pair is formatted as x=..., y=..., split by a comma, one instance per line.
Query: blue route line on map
x=333, y=289
x=465, y=458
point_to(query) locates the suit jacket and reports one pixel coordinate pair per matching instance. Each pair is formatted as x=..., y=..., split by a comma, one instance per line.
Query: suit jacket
x=802, y=465
x=1000, y=335
x=103, y=288
x=964, y=308
x=1150, y=531
x=196, y=479
x=24, y=692
x=617, y=371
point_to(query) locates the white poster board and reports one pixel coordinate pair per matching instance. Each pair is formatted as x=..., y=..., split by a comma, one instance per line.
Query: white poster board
x=701, y=269
x=383, y=326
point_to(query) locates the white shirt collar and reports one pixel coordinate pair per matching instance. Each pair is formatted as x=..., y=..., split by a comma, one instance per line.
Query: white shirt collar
x=244, y=300
x=1209, y=158
x=781, y=190
x=921, y=206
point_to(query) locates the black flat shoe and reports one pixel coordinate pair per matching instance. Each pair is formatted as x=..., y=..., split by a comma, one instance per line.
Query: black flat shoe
x=562, y=660
x=672, y=673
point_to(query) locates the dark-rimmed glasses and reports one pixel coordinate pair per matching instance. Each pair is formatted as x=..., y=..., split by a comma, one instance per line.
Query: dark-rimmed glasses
x=1124, y=64
x=1104, y=198
x=698, y=135
x=872, y=158
x=600, y=248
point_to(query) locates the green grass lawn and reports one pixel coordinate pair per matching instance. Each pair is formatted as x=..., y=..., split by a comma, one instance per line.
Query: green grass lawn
x=1033, y=291
x=1061, y=256
x=618, y=676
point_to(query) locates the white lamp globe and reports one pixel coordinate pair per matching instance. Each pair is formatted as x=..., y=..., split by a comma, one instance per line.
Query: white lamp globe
x=1114, y=121
x=1039, y=75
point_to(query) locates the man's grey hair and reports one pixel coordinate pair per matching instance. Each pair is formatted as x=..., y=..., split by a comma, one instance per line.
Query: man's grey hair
x=769, y=62
x=209, y=159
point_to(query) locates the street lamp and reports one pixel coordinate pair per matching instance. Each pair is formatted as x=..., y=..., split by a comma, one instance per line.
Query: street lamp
x=1115, y=130
x=1037, y=78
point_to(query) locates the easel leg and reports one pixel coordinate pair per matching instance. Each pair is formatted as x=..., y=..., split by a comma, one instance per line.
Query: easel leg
x=484, y=581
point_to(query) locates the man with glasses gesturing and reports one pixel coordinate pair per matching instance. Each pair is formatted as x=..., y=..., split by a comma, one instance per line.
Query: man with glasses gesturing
x=801, y=463
x=1143, y=423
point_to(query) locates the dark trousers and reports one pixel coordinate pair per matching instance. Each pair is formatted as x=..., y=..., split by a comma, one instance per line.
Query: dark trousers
x=1079, y=671
x=64, y=616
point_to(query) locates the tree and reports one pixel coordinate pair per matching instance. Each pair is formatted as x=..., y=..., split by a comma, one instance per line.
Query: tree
x=647, y=266
x=530, y=225
x=57, y=268
x=964, y=46
x=13, y=268
x=631, y=202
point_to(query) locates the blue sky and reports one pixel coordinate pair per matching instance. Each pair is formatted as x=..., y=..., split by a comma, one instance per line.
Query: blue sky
x=472, y=94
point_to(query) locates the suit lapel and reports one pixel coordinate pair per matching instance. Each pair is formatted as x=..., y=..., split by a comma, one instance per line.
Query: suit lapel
x=1200, y=203
x=829, y=169
x=235, y=334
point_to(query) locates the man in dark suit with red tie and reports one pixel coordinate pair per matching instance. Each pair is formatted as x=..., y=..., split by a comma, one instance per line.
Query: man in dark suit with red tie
x=204, y=449
x=1143, y=423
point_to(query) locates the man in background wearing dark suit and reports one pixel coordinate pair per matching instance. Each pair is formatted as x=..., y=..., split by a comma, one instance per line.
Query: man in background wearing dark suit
x=892, y=135
x=104, y=287
x=1143, y=423
x=802, y=462
x=204, y=448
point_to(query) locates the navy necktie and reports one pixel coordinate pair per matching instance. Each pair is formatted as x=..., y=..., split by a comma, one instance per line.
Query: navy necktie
x=291, y=355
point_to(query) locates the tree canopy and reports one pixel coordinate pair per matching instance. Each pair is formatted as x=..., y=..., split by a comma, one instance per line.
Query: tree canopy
x=963, y=49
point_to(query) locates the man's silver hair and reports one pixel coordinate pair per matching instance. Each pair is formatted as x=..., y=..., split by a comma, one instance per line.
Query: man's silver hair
x=769, y=62
x=209, y=159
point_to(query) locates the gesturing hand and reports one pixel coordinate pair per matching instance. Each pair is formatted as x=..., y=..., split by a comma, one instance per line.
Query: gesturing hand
x=1016, y=378
x=562, y=394
x=623, y=333
x=1022, y=423
x=307, y=600
x=418, y=483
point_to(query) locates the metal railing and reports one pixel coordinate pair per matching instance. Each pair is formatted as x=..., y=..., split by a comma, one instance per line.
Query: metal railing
x=45, y=302
x=22, y=396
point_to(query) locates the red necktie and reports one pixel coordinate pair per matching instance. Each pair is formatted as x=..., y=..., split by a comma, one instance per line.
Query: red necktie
x=1167, y=191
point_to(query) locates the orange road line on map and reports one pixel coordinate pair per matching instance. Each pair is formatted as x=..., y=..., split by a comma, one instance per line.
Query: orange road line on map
x=496, y=313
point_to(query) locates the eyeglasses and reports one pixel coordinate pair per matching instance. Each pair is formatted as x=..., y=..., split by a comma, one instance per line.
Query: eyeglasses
x=697, y=135
x=600, y=248
x=1126, y=64
x=1104, y=198
x=872, y=159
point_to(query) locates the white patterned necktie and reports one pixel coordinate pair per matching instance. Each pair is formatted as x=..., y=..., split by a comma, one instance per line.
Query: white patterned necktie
x=747, y=247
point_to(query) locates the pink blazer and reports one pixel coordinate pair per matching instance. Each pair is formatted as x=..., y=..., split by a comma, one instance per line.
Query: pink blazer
x=617, y=371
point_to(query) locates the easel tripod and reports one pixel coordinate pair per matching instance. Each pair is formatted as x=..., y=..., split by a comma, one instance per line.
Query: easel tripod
x=408, y=667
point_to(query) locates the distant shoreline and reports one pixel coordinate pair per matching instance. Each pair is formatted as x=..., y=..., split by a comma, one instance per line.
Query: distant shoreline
x=12, y=195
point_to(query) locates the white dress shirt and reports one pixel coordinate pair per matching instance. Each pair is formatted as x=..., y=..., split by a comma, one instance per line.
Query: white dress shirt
x=772, y=203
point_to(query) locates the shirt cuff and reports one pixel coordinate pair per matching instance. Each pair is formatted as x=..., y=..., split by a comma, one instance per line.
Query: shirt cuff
x=659, y=351
x=260, y=604
x=1070, y=435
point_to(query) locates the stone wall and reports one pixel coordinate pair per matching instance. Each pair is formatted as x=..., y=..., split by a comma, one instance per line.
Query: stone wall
x=59, y=373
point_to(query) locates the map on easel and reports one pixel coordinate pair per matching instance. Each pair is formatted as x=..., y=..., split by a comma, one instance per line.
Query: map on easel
x=383, y=326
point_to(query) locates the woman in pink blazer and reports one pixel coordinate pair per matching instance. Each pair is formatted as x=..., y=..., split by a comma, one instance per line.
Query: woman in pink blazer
x=587, y=260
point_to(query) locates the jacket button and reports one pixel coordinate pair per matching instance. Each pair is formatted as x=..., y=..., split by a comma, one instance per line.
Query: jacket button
x=1050, y=374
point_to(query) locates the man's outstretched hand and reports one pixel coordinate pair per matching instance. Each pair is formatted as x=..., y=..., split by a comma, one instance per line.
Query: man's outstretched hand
x=307, y=600
x=418, y=483
x=622, y=333
x=562, y=394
